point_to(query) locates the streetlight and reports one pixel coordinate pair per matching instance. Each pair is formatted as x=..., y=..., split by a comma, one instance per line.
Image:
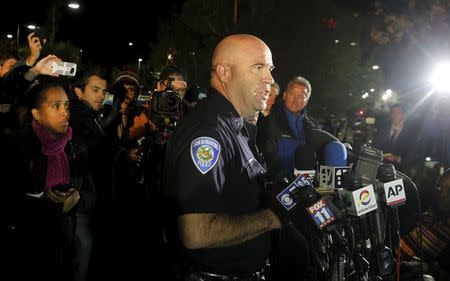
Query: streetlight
x=139, y=64
x=54, y=18
x=439, y=77
x=30, y=27
x=73, y=5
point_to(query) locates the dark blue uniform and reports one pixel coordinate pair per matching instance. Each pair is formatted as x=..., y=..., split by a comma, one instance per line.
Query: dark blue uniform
x=212, y=166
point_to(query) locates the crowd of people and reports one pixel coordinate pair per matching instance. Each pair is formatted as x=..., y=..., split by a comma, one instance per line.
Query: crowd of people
x=173, y=188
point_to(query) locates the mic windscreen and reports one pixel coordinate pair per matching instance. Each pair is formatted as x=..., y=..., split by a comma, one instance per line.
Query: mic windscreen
x=319, y=138
x=305, y=195
x=352, y=180
x=386, y=172
x=334, y=154
x=284, y=178
x=305, y=158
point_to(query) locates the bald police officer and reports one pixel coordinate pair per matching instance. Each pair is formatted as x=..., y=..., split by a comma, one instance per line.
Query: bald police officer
x=213, y=170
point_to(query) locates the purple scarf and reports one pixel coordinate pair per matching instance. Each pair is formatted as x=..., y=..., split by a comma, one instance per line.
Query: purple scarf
x=58, y=171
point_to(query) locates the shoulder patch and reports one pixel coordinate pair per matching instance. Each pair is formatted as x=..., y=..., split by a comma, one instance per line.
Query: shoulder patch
x=205, y=153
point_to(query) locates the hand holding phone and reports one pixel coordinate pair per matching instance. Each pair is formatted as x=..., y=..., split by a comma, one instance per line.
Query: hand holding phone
x=64, y=68
x=63, y=187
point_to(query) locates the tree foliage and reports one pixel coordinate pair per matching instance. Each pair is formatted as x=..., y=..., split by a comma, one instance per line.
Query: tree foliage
x=300, y=34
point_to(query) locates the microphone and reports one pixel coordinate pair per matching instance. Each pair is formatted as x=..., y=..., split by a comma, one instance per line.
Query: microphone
x=324, y=212
x=319, y=138
x=334, y=156
x=359, y=200
x=305, y=162
x=321, y=209
x=368, y=161
x=394, y=189
x=280, y=195
x=288, y=196
x=394, y=195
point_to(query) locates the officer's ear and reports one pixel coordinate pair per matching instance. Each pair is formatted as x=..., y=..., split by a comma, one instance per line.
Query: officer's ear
x=223, y=72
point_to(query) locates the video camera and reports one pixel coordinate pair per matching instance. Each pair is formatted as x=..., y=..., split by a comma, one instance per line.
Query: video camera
x=167, y=102
x=166, y=109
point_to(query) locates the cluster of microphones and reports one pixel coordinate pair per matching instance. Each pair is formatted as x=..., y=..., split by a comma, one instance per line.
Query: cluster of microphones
x=349, y=198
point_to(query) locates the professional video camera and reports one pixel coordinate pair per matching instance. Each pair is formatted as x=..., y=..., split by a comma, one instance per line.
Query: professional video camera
x=167, y=102
x=166, y=110
x=360, y=127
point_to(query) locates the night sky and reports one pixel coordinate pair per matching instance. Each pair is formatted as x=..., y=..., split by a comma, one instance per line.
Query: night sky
x=101, y=29
x=301, y=34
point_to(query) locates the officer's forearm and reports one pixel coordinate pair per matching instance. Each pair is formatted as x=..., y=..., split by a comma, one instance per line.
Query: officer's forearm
x=217, y=230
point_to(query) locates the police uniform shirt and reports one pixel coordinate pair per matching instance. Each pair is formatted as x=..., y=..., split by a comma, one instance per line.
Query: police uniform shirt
x=211, y=167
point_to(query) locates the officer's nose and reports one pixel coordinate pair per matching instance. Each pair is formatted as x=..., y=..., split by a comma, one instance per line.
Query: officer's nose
x=268, y=79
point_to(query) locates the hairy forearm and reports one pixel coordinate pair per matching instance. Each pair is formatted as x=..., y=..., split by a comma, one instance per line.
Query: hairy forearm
x=218, y=230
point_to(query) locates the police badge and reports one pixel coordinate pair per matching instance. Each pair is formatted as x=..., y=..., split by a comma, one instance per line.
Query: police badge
x=205, y=153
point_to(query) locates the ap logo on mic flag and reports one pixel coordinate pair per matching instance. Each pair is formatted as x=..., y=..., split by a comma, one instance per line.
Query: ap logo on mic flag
x=205, y=153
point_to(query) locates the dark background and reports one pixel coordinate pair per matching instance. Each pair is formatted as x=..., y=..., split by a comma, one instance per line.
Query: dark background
x=102, y=29
x=403, y=37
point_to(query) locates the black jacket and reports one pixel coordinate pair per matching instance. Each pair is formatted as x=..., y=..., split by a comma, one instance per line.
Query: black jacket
x=41, y=240
x=271, y=129
x=25, y=172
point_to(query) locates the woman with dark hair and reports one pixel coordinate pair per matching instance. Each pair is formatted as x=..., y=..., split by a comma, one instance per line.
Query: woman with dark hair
x=47, y=186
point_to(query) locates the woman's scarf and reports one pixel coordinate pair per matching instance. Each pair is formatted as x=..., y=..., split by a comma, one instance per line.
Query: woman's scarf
x=58, y=171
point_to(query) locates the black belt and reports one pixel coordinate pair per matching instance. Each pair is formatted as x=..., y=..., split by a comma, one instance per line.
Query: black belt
x=200, y=275
x=208, y=276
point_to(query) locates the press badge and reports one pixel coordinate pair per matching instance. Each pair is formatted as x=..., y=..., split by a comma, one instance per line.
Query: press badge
x=205, y=153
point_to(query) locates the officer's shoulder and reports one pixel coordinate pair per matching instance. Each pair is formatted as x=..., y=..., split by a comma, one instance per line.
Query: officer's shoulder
x=203, y=114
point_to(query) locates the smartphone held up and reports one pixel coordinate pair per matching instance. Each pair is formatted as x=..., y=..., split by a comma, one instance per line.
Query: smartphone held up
x=64, y=68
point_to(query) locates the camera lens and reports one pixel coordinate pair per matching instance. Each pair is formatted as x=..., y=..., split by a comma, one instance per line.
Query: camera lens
x=172, y=99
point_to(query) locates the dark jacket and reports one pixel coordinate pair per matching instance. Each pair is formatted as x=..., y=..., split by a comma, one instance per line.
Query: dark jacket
x=274, y=133
x=37, y=227
x=12, y=94
x=98, y=148
x=228, y=180
x=403, y=146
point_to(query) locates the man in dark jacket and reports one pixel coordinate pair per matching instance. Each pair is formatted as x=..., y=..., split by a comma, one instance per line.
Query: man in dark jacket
x=279, y=135
x=396, y=140
x=87, y=92
x=286, y=127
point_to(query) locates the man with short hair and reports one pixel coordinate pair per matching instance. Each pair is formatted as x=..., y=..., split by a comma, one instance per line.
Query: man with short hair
x=396, y=139
x=214, y=174
x=274, y=91
x=285, y=128
x=173, y=77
